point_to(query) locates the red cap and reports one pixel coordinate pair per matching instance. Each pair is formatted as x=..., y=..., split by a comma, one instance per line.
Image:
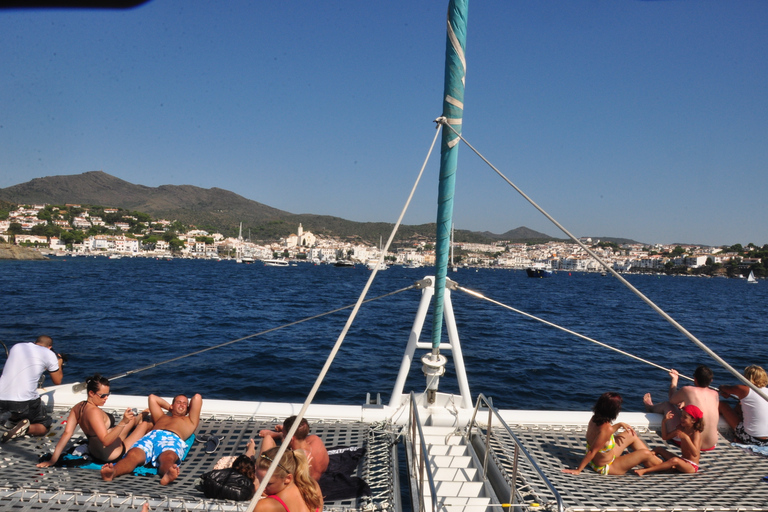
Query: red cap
x=694, y=411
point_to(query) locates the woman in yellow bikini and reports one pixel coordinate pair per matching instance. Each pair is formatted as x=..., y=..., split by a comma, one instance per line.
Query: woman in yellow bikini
x=605, y=447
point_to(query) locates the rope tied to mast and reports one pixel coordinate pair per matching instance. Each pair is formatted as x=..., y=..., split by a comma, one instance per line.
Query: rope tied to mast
x=621, y=279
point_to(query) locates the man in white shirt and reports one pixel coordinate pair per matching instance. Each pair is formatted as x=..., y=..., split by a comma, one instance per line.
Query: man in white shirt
x=18, y=386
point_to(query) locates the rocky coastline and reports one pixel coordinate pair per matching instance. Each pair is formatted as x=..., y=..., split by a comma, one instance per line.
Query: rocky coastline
x=14, y=252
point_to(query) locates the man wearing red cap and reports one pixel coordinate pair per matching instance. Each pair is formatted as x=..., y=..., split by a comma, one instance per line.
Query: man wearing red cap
x=705, y=399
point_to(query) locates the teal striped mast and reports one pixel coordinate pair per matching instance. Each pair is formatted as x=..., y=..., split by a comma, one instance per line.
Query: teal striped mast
x=453, y=110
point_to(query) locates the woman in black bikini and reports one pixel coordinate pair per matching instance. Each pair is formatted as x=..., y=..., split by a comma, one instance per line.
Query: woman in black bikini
x=107, y=441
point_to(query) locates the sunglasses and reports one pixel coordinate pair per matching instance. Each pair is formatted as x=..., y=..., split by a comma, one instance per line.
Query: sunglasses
x=103, y=395
x=278, y=464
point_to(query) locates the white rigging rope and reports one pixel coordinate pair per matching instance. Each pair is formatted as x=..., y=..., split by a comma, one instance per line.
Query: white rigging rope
x=626, y=283
x=80, y=386
x=578, y=335
x=340, y=339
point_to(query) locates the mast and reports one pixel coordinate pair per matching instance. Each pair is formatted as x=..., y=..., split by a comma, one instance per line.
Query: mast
x=453, y=110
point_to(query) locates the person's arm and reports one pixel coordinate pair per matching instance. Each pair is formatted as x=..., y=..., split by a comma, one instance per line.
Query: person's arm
x=267, y=440
x=96, y=420
x=58, y=375
x=626, y=428
x=195, y=407
x=673, y=376
x=600, y=441
x=250, y=449
x=739, y=391
x=156, y=407
x=65, y=437
x=665, y=435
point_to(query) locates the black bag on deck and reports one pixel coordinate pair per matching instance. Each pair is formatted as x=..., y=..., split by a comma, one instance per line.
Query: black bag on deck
x=227, y=484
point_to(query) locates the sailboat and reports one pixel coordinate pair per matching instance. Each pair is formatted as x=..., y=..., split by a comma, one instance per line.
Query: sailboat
x=453, y=264
x=378, y=263
x=751, y=277
x=463, y=454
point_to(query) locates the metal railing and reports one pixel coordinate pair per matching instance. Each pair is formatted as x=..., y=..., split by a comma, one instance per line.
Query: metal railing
x=420, y=456
x=519, y=448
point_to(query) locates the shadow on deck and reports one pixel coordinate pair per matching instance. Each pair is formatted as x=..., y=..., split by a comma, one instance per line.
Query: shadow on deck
x=730, y=479
x=23, y=486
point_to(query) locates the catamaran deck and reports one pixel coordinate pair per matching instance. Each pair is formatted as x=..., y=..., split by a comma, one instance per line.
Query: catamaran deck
x=25, y=487
x=730, y=479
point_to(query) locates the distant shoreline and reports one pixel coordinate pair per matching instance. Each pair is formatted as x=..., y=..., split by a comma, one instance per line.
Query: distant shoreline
x=15, y=252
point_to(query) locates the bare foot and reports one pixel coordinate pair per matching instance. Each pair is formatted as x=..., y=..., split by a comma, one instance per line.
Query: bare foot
x=640, y=472
x=107, y=472
x=170, y=475
x=145, y=507
x=648, y=402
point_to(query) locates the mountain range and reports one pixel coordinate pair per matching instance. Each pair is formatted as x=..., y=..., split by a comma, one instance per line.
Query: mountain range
x=219, y=210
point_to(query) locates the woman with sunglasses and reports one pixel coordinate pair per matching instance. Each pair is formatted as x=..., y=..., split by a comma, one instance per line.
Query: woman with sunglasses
x=107, y=441
x=290, y=489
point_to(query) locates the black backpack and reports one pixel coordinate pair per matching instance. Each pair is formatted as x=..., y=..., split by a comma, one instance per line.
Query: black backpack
x=227, y=484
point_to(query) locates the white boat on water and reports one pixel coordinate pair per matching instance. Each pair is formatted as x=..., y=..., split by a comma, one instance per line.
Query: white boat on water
x=751, y=277
x=276, y=263
x=462, y=453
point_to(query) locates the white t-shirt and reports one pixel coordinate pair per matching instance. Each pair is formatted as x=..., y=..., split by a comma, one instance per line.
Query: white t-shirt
x=755, y=410
x=26, y=362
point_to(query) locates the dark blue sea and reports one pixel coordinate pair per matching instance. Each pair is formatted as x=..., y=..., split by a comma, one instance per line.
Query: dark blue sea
x=114, y=316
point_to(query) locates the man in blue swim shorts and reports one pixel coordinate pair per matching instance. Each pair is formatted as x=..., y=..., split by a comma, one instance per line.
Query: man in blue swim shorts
x=165, y=445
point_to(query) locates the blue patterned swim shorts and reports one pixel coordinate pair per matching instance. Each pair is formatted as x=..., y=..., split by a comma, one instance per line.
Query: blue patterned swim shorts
x=159, y=441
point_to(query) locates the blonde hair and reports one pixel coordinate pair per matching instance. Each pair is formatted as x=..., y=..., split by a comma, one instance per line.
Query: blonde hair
x=295, y=463
x=756, y=375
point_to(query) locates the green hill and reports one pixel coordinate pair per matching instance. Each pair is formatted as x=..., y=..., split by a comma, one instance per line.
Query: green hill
x=220, y=210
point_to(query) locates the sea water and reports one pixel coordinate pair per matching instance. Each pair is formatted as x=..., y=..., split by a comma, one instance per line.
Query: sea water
x=115, y=316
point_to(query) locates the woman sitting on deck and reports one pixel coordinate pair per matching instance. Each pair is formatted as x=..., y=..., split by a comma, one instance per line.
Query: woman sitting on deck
x=290, y=487
x=107, y=441
x=605, y=447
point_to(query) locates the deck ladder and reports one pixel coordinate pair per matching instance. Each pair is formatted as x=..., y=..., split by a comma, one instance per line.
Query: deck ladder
x=444, y=472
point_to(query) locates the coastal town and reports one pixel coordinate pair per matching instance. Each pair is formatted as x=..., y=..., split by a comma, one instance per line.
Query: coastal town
x=77, y=230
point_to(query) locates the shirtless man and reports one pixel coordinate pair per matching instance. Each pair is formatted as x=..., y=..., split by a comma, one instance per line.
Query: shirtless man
x=313, y=446
x=699, y=395
x=164, y=446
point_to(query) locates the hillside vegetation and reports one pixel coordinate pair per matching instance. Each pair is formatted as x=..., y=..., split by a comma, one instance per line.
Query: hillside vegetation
x=219, y=210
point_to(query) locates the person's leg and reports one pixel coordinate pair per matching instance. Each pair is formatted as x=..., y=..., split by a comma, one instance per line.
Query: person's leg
x=651, y=407
x=40, y=421
x=728, y=414
x=626, y=440
x=168, y=467
x=134, y=458
x=137, y=433
x=626, y=462
x=664, y=466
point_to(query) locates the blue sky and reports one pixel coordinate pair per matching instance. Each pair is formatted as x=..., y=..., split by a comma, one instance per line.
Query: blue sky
x=639, y=119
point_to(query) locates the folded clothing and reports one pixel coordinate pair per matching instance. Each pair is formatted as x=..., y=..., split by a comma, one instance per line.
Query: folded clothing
x=337, y=483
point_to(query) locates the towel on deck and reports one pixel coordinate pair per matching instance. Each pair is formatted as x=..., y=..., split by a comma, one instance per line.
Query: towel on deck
x=337, y=483
x=77, y=457
x=760, y=450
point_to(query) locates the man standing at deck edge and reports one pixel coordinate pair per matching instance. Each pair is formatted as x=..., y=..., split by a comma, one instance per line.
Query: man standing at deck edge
x=18, y=386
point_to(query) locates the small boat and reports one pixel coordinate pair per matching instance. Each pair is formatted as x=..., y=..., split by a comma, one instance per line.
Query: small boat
x=374, y=264
x=751, y=278
x=539, y=270
x=344, y=263
x=275, y=263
